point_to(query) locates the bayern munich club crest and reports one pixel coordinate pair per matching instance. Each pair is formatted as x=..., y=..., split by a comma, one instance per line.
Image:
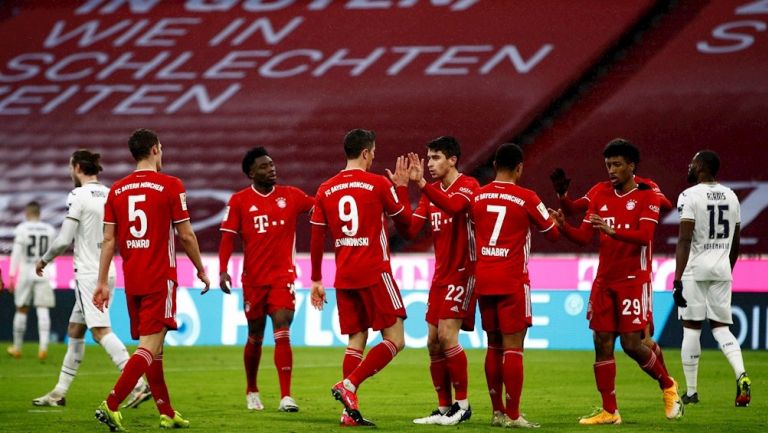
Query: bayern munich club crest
x=281, y=203
x=631, y=204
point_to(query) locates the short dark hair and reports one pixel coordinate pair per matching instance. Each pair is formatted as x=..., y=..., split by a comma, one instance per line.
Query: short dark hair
x=356, y=140
x=624, y=148
x=87, y=160
x=710, y=161
x=33, y=207
x=252, y=155
x=508, y=156
x=141, y=143
x=446, y=144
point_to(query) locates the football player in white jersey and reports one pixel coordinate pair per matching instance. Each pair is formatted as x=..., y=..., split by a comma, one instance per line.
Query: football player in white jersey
x=84, y=224
x=31, y=238
x=707, y=249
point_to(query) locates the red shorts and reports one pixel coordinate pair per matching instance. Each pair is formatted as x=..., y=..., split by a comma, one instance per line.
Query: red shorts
x=259, y=301
x=153, y=312
x=619, y=307
x=507, y=313
x=376, y=307
x=453, y=301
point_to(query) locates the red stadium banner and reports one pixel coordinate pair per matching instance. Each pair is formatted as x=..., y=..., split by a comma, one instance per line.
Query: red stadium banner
x=217, y=77
x=703, y=89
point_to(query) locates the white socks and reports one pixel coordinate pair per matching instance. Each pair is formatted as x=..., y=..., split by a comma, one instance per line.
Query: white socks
x=72, y=360
x=116, y=349
x=690, y=352
x=730, y=347
x=19, y=328
x=43, y=327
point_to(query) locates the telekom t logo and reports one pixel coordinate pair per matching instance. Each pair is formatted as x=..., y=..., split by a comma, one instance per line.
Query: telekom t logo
x=436, y=222
x=261, y=222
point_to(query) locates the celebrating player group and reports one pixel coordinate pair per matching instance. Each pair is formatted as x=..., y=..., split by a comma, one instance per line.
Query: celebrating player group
x=481, y=237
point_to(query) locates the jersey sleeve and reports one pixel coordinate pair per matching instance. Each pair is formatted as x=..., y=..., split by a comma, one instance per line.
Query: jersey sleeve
x=305, y=201
x=231, y=222
x=318, y=214
x=590, y=195
x=738, y=208
x=651, y=208
x=538, y=213
x=74, y=207
x=389, y=198
x=179, y=211
x=109, y=208
x=685, y=206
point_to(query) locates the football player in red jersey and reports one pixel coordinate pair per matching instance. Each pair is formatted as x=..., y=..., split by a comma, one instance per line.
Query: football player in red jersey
x=264, y=215
x=503, y=214
x=570, y=207
x=451, y=305
x=351, y=206
x=141, y=213
x=625, y=218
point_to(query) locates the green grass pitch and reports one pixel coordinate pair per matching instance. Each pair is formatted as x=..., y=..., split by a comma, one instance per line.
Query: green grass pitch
x=207, y=387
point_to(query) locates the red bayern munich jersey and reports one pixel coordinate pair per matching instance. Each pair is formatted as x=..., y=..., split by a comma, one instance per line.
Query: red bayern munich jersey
x=352, y=205
x=267, y=225
x=622, y=261
x=503, y=214
x=144, y=206
x=606, y=185
x=452, y=235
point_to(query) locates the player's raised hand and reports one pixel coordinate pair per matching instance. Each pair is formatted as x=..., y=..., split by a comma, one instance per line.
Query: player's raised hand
x=39, y=267
x=400, y=176
x=559, y=181
x=415, y=167
x=224, y=282
x=317, y=295
x=101, y=296
x=201, y=275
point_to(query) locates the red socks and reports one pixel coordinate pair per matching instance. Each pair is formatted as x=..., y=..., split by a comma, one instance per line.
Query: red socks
x=441, y=379
x=659, y=355
x=513, y=380
x=352, y=359
x=657, y=371
x=251, y=358
x=156, y=380
x=137, y=365
x=377, y=358
x=456, y=361
x=494, y=357
x=605, y=377
x=283, y=359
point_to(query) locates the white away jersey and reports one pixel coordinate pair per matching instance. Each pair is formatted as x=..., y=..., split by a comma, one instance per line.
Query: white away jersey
x=85, y=205
x=715, y=211
x=31, y=240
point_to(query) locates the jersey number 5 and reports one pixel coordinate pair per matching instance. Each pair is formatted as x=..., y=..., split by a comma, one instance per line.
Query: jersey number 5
x=137, y=214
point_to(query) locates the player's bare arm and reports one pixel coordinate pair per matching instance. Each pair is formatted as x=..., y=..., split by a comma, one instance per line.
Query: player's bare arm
x=735, y=244
x=101, y=293
x=189, y=243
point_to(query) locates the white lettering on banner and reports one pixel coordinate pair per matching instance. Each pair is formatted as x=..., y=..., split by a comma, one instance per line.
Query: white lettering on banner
x=104, y=7
x=232, y=317
x=314, y=334
x=736, y=36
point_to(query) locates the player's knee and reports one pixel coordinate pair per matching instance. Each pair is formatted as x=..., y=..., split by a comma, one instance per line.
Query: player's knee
x=99, y=333
x=76, y=330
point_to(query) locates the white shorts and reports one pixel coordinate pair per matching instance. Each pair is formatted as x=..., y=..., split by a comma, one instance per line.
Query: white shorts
x=707, y=300
x=35, y=291
x=84, y=312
